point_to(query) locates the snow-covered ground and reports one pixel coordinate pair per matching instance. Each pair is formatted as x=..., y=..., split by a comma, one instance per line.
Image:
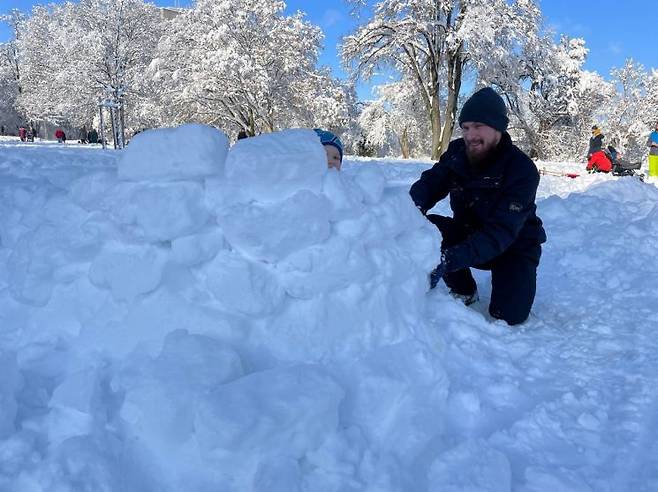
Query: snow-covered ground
x=173, y=320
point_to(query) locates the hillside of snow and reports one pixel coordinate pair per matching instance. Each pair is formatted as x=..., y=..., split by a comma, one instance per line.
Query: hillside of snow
x=181, y=316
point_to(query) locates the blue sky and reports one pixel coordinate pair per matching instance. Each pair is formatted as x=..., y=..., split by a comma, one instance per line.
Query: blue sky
x=613, y=30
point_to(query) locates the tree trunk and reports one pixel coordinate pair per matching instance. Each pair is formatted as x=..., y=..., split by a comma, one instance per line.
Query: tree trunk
x=122, y=121
x=251, y=128
x=435, y=122
x=404, y=144
x=455, y=68
x=114, y=127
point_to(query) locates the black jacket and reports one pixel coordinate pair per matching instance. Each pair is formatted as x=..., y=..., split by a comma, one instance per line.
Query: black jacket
x=595, y=144
x=495, y=205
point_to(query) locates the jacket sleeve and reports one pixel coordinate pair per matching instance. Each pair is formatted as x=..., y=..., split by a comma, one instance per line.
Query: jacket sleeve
x=501, y=228
x=432, y=187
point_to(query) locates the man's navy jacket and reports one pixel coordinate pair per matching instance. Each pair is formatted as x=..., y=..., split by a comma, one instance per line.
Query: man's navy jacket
x=495, y=204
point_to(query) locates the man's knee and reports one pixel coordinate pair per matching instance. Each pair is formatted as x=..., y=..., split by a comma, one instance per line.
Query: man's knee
x=513, y=288
x=512, y=315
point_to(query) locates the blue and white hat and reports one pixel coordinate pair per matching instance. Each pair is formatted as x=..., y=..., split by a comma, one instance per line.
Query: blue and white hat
x=328, y=138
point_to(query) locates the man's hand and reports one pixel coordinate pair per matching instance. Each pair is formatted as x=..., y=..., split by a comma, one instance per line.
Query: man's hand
x=437, y=274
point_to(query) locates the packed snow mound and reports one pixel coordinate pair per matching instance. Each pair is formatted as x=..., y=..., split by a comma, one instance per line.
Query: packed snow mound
x=165, y=335
x=167, y=154
x=245, y=285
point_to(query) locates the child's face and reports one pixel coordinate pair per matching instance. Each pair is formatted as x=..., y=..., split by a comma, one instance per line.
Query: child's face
x=333, y=156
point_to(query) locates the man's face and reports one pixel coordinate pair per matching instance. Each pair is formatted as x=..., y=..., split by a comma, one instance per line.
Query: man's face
x=480, y=140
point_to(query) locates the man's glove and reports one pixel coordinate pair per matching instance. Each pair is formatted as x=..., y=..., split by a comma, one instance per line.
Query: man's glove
x=437, y=274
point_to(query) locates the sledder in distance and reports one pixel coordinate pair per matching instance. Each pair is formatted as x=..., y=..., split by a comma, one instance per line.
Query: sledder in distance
x=602, y=159
x=617, y=166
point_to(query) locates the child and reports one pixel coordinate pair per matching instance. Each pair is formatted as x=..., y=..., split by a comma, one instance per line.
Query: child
x=332, y=146
x=597, y=160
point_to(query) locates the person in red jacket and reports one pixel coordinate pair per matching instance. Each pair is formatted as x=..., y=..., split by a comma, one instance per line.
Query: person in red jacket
x=60, y=135
x=597, y=161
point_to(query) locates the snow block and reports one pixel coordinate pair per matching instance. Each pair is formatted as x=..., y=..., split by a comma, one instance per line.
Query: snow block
x=270, y=233
x=128, y=271
x=279, y=412
x=243, y=287
x=165, y=212
x=190, y=151
x=274, y=166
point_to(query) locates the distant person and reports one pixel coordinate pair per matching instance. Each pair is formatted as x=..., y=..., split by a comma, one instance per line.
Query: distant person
x=652, y=143
x=82, y=135
x=597, y=160
x=22, y=133
x=620, y=166
x=333, y=148
x=494, y=226
x=92, y=136
x=612, y=152
x=2, y=130
x=60, y=135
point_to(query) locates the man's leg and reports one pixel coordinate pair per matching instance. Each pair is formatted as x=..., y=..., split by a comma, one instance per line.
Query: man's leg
x=513, y=285
x=460, y=282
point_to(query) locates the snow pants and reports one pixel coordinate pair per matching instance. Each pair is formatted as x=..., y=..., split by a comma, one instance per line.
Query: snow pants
x=653, y=165
x=599, y=162
x=513, y=274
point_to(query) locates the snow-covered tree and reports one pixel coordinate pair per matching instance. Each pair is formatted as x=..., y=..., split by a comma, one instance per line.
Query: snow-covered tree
x=52, y=75
x=246, y=65
x=435, y=43
x=74, y=53
x=10, y=71
x=396, y=120
x=629, y=114
x=378, y=137
x=594, y=94
x=542, y=86
x=324, y=102
x=9, y=52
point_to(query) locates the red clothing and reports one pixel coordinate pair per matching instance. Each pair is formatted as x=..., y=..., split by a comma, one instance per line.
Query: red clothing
x=598, y=161
x=59, y=133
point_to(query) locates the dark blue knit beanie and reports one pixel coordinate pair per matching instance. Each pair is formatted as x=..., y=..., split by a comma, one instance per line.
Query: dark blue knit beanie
x=485, y=106
x=328, y=138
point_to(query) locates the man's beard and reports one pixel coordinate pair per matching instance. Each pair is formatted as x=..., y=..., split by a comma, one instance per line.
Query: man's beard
x=479, y=155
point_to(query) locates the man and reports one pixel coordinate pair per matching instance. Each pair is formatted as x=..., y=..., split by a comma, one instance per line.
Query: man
x=492, y=186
